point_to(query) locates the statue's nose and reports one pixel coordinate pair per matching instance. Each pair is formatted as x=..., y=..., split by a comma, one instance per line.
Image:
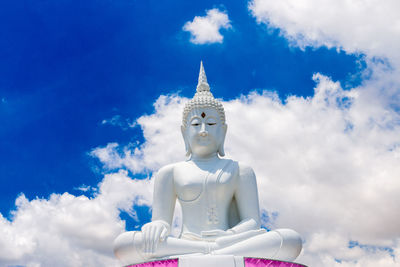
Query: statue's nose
x=203, y=132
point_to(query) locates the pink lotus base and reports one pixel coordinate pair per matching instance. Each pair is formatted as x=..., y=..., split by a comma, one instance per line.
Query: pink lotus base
x=161, y=263
x=248, y=262
x=256, y=262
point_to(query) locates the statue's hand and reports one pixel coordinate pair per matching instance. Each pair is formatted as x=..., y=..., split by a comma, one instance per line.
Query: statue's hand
x=153, y=233
x=216, y=233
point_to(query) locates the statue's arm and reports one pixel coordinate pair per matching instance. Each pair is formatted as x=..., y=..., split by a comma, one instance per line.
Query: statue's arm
x=163, y=209
x=164, y=196
x=246, y=195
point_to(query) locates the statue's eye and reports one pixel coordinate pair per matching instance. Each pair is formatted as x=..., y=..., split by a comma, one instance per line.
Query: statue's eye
x=195, y=122
x=211, y=121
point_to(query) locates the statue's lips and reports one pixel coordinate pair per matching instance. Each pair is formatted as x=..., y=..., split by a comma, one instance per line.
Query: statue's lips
x=203, y=140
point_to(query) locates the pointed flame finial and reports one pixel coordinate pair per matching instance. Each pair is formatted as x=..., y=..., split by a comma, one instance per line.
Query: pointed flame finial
x=202, y=84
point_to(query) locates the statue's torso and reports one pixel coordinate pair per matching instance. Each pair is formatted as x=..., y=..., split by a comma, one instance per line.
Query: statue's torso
x=205, y=193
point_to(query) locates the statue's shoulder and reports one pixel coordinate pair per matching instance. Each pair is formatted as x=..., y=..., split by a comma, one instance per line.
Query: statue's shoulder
x=169, y=169
x=245, y=170
x=230, y=164
x=166, y=171
x=238, y=167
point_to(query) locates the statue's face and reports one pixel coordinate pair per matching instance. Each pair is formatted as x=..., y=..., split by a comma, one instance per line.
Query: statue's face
x=204, y=132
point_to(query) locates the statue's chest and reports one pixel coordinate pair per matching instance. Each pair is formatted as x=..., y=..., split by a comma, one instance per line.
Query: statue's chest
x=194, y=184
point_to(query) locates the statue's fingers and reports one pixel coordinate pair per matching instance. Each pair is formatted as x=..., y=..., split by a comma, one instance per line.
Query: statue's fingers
x=157, y=234
x=151, y=240
x=156, y=238
x=147, y=239
x=164, y=234
x=208, y=233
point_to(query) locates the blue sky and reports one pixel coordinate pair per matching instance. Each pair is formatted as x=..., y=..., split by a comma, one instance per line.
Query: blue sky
x=69, y=67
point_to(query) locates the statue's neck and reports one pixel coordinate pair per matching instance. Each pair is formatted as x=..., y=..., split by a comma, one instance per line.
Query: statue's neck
x=204, y=159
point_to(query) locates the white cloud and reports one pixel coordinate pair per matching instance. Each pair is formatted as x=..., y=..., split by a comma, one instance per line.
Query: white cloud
x=347, y=161
x=159, y=140
x=85, y=188
x=67, y=230
x=206, y=30
x=371, y=27
x=116, y=120
x=327, y=170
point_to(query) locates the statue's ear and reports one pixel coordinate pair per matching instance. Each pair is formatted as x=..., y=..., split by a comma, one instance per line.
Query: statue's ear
x=187, y=146
x=221, y=150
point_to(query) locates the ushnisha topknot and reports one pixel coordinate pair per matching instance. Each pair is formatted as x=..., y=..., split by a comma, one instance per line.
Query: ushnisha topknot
x=202, y=99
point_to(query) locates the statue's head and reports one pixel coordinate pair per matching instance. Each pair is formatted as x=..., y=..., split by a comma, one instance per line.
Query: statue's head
x=203, y=123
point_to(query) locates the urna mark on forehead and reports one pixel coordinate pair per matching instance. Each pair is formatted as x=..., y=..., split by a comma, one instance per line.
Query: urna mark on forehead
x=204, y=113
x=203, y=99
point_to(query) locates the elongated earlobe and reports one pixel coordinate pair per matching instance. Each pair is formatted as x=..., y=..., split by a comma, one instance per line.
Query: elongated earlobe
x=221, y=150
x=187, y=146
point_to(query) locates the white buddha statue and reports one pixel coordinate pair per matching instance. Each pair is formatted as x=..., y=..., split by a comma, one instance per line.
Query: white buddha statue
x=218, y=196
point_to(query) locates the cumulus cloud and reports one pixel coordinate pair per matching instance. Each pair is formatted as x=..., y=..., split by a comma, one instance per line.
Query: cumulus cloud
x=350, y=166
x=328, y=165
x=206, y=30
x=368, y=27
x=160, y=141
x=68, y=230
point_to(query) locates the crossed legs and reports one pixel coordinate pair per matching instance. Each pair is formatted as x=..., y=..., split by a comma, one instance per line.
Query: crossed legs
x=281, y=244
